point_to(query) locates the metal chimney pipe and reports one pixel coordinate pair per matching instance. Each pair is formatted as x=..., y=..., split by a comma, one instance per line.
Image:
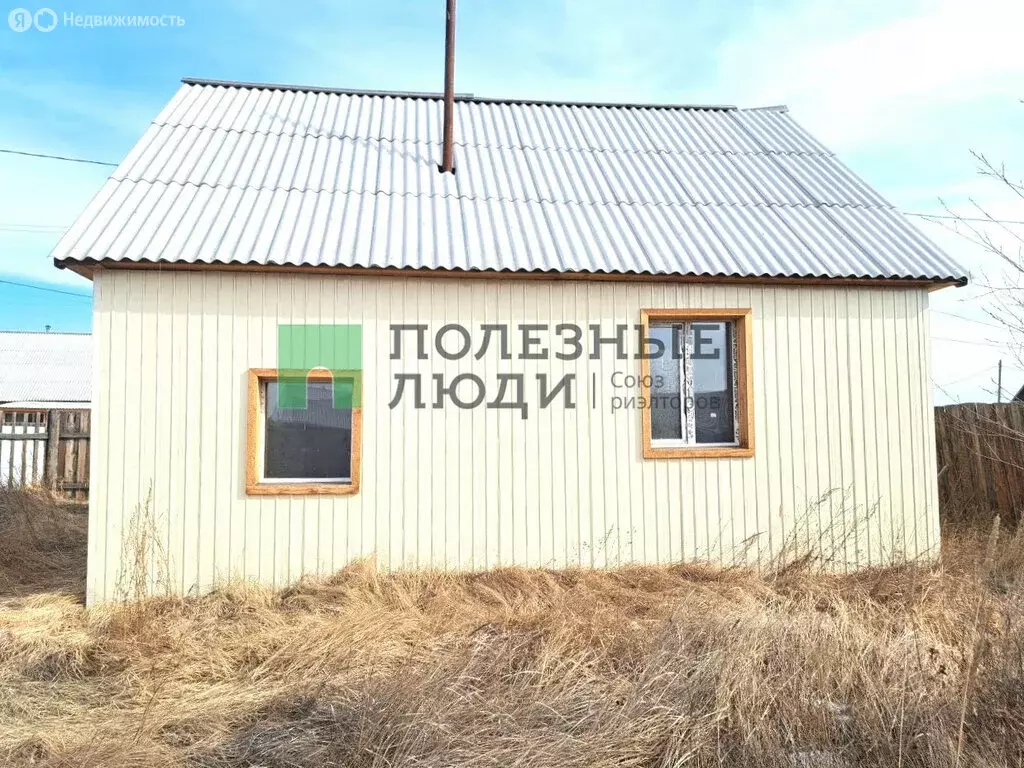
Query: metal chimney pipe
x=447, y=160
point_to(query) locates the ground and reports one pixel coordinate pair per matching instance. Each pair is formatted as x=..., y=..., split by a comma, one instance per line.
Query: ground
x=652, y=666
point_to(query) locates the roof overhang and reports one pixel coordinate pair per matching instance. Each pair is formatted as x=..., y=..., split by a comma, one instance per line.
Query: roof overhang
x=88, y=269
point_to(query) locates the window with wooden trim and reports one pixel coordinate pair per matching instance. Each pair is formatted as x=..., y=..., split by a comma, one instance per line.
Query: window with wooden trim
x=698, y=390
x=303, y=436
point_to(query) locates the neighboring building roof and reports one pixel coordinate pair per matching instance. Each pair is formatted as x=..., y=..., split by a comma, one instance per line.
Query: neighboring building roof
x=283, y=175
x=44, y=405
x=45, y=367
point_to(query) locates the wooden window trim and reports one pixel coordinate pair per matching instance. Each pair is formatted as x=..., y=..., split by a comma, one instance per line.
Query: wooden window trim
x=254, y=486
x=744, y=384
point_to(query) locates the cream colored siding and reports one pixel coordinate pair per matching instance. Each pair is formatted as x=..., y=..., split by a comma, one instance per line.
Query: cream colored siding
x=844, y=457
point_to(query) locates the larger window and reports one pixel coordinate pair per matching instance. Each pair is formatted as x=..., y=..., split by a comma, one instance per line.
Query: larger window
x=305, y=442
x=698, y=391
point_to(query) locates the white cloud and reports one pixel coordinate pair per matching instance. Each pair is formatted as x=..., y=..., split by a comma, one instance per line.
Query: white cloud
x=856, y=80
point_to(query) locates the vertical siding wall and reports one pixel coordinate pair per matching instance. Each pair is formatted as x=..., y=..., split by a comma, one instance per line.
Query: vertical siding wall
x=844, y=460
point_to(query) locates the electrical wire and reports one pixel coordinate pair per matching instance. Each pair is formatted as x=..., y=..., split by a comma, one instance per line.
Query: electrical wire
x=32, y=226
x=986, y=369
x=968, y=319
x=971, y=341
x=43, y=155
x=21, y=231
x=56, y=157
x=51, y=290
x=961, y=218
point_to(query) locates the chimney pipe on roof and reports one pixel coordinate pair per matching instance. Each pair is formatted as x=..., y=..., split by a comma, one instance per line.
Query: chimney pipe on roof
x=447, y=161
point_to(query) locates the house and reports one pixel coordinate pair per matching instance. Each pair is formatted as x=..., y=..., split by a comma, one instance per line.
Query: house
x=45, y=385
x=616, y=333
x=45, y=371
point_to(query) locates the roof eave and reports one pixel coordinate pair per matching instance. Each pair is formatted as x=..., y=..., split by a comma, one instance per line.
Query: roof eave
x=87, y=268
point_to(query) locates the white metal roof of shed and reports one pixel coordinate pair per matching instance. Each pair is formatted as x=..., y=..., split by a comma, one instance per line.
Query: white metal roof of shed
x=237, y=173
x=45, y=367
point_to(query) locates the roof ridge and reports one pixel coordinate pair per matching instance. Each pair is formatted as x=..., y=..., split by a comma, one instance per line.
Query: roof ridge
x=431, y=96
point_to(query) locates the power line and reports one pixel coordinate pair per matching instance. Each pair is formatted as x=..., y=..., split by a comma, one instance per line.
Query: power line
x=51, y=290
x=24, y=231
x=27, y=224
x=46, y=156
x=986, y=369
x=33, y=229
x=36, y=227
x=971, y=341
x=968, y=319
x=56, y=157
x=962, y=218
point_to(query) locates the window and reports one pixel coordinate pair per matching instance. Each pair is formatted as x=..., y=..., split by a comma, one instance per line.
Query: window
x=303, y=444
x=698, y=392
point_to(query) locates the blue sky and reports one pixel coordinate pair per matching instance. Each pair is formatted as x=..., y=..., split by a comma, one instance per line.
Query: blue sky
x=901, y=90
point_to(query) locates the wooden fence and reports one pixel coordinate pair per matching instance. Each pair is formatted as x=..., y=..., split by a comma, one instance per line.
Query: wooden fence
x=980, y=455
x=48, y=448
x=981, y=460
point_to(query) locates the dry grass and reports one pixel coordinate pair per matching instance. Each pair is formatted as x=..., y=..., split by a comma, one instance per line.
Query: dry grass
x=42, y=544
x=636, y=667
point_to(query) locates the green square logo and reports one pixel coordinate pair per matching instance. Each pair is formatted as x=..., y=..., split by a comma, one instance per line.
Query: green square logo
x=304, y=348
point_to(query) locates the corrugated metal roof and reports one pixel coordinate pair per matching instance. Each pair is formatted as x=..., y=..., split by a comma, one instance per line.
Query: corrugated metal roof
x=279, y=175
x=45, y=367
x=44, y=405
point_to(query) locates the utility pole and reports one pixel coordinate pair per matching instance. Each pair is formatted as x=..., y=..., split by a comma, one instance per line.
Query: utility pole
x=999, y=383
x=447, y=160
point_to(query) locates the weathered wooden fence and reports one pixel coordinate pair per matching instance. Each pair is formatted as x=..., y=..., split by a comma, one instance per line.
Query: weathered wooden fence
x=48, y=448
x=981, y=459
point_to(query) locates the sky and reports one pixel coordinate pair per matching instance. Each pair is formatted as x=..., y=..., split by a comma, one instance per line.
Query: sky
x=902, y=90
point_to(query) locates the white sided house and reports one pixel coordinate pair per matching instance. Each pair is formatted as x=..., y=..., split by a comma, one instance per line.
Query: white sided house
x=616, y=334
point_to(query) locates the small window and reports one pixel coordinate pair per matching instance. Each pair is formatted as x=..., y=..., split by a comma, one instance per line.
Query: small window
x=698, y=390
x=303, y=441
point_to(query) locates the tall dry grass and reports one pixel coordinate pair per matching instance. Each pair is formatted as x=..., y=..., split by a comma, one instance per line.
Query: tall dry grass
x=42, y=544
x=673, y=666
